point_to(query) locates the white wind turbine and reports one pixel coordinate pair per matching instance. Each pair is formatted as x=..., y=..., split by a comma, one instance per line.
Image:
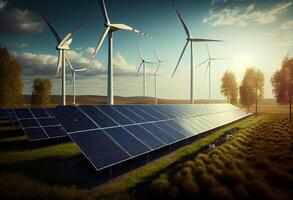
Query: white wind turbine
x=62, y=46
x=209, y=60
x=143, y=65
x=73, y=77
x=110, y=29
x=190, y=40
x=156, y=74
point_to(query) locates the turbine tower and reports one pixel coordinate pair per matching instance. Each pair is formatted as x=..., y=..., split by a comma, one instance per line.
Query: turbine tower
x=156, y=74
x=110, y=29
x=190, y=40
x=73, y=77
x=208, y=68
x=62, y=46
x=143, y=65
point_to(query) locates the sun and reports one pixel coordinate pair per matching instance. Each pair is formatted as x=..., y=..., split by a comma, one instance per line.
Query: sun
x=242, y=61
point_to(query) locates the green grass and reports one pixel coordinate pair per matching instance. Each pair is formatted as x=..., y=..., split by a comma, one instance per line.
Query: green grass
x=31, y=170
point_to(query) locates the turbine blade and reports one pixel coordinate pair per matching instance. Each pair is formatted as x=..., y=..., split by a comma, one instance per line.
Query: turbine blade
x=204, y=40
x=157, y=55
x=78, y=28
x=139, y=52
x=221, y=58
x=201, y=64
x=66, y=41
x=71, y=77
x=139, y=67
x=53, y=30
x=59, y=63
x=148, y=62
x=181, y=19
x=208, y=66
x=208, y=51
x=67, y=60
x=131, y=29
x=157, y=68
x=104, y=11
x=180, y=58
x=101, y=40
x=80, y=70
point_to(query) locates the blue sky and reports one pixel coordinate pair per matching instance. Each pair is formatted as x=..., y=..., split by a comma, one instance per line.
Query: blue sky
x=256, y=33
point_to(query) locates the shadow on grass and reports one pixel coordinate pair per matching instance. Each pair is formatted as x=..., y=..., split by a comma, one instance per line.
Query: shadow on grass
x=18, y=145
x=10, y=132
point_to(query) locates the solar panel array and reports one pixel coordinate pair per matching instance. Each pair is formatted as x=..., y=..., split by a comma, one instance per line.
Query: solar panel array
x=110, y=134
x=39, y=123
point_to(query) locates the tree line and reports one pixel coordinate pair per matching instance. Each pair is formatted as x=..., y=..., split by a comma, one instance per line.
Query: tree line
x=251, y=88
x=11, y=84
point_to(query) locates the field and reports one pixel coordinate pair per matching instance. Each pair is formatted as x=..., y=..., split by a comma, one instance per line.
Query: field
x=255, y=162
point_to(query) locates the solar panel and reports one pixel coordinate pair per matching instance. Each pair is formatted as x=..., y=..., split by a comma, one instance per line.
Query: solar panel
x=38, y=124
x=133, y=130
x=99, y=148
x=110, y=134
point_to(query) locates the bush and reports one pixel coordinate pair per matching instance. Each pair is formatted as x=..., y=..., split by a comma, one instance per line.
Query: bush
x=17, y=186
x=186, y=183
x=172, y=192
x=259, y=190
x=198, y=171
x=231, y=178
x=220, y=193
x=279, y=177
x=160, y=185
x=240, y=192
x=207, y=181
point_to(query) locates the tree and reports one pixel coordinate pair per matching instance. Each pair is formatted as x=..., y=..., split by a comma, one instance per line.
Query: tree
x=251, y=88
x=282, y=82
x=229, y=87
x=42, y=89
x=11, y=86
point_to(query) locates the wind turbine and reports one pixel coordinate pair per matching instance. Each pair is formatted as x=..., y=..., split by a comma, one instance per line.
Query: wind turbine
x=143, y=65
x=62, y=46
x=190, y=40
x=209, y=60
x=73, y=77
x=156, y=73
x=110, y=29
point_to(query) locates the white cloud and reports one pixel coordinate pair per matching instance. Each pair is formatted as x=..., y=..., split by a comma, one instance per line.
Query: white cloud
x=121, y=66
x=45, y=64
x=19, y=21
x=90, y=50
x=241, y=16
x=287, y=25
x=2, y=4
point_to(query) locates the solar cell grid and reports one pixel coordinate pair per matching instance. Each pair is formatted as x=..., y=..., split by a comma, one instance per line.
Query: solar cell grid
x=115, y=115
x=146, y=137
x=102, y=155
x=128, y=142
x=101, y=119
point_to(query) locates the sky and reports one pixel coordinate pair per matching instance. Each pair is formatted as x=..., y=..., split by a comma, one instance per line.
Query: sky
x=256, y=33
